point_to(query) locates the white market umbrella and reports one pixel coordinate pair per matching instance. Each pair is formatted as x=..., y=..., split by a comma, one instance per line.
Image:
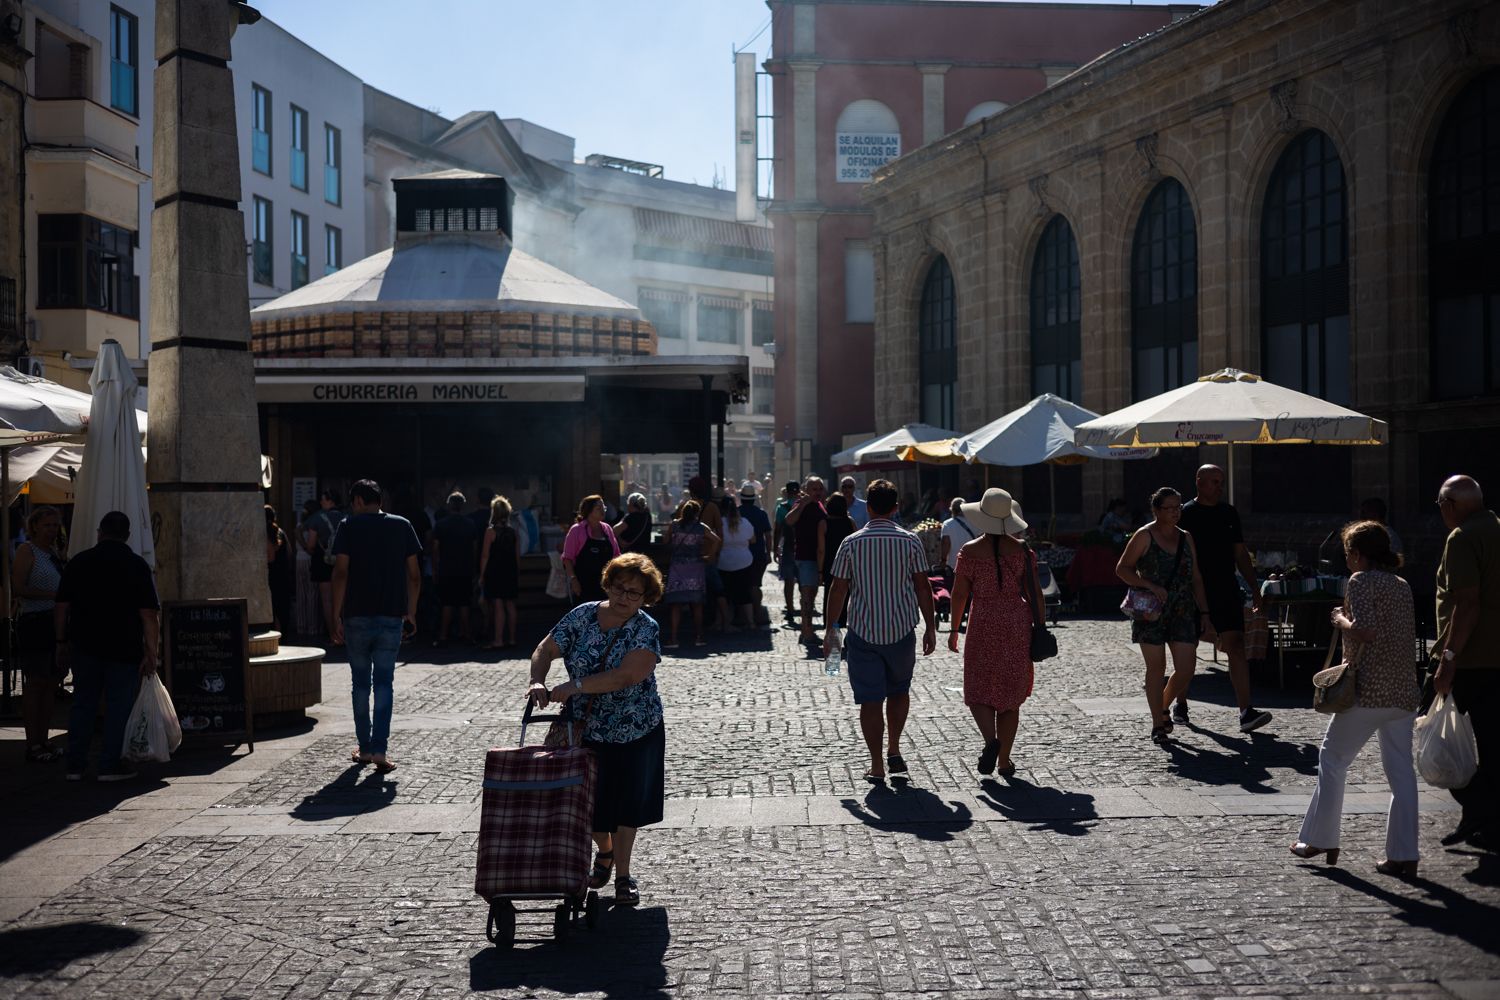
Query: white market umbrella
x=886, y=448
x=1230, y=407
x=113, y=473
x=1039, y=432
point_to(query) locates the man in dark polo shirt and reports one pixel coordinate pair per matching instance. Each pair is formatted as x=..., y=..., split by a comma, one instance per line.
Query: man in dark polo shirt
x=376, y=582
x=1468, y=648
x=1220, y=543
x=107, y=622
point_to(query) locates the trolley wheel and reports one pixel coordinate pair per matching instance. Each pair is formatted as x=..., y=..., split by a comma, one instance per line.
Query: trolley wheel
x=562, y=919
x=591, y=908
x=501, y=926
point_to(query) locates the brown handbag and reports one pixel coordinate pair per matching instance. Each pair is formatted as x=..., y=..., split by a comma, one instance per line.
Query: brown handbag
x=1334, y=689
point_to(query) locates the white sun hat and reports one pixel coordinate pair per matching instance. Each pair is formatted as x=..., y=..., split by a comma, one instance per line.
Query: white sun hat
x=996, y=514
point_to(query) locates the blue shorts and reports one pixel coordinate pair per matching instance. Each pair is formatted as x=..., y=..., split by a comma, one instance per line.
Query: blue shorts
x=809, y=574
x=879, y=672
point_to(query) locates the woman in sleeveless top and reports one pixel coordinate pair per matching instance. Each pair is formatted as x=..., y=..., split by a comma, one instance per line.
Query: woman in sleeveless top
x=692, y=546
x=500, y=572
x=35, y=574
x=1161, y=558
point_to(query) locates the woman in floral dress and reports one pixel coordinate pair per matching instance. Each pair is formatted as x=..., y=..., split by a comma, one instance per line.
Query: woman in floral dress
x=992, y=572
x=611, y=650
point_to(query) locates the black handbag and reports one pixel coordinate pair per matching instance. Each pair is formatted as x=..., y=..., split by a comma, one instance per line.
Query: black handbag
x=1043, y=645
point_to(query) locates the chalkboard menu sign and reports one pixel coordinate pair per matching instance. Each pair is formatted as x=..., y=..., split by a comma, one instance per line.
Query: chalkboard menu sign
x=206, y=645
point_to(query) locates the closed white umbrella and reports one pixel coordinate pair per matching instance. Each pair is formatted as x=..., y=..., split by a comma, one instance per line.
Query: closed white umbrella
x=1230, y=407
x=113, y=473
x=887, y=448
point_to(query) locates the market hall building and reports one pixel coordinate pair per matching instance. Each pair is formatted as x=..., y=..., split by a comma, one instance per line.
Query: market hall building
x=455, y=360
x=1304, y=189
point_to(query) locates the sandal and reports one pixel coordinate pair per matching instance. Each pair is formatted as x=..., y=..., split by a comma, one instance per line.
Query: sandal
x=599, y=878
x=1008, y=771
x=627, y=891
x=1159, y=735
x=895, y=763
x=361, y=758
x=384, y=766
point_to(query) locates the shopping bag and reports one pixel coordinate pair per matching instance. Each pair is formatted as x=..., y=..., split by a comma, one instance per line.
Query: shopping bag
x=153, y=731
x=1257, y=634
x=1446, y=754
x=557, y=580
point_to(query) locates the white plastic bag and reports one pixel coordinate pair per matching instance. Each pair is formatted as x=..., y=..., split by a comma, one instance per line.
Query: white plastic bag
x=1446, y=754
x=153, y=731
x=557, y=579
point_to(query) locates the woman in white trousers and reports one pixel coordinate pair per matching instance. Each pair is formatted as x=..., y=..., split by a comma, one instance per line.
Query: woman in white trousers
x=1379, y=634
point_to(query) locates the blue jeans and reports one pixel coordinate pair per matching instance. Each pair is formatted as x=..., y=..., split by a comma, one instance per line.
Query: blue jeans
x=118, y=682
x=372, y=644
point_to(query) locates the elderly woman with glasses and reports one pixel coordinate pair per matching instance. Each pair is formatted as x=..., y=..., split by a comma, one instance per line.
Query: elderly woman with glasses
x=610, y=649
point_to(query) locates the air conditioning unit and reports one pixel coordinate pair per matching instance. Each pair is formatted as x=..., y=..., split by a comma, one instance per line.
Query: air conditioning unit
x=31, y=366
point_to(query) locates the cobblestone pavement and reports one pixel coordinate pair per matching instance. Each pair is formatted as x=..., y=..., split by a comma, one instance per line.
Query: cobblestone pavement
x=1108, y=868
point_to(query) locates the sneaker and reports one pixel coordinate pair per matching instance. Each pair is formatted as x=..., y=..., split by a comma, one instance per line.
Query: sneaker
x=1180, y=713
x=120, y=772
x=1252, y=719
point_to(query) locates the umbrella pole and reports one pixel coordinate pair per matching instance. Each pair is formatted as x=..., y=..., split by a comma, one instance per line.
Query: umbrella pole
x=1231, y=475
x=1052, y=499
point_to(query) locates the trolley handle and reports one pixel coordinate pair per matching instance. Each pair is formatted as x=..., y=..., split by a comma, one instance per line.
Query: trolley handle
x=530, y=716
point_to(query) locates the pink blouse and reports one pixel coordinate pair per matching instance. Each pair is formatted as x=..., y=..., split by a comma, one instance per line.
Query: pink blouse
x=578, y=535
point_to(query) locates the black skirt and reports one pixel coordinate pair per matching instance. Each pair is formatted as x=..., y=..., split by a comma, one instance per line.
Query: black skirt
x=632, y=781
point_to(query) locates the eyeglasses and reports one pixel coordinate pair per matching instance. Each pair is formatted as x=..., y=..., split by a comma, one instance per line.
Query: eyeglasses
x=629, y=595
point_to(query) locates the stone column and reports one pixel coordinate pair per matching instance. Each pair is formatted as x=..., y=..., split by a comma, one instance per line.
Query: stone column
x=204, y=459
x=805, y=327
x=933, y=106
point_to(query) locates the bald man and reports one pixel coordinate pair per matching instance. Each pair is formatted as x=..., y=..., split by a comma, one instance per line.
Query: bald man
x=1220, y=543
x=1468, y=647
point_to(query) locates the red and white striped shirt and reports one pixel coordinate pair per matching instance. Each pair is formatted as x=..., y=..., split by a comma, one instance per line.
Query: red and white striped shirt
x=879, y=561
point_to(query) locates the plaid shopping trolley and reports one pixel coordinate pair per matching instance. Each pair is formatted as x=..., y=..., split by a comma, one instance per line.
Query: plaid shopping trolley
x=534, y=832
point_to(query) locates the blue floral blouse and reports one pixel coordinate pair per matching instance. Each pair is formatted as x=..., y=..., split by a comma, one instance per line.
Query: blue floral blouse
x=617, y=716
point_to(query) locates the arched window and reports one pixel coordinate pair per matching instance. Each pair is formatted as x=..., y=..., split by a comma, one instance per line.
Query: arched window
x=1056, y=348
x=1304, y=286
x=984, y=110
x=866, y=137
x=937, y=358
x=1164, y=293
x=1464, y=245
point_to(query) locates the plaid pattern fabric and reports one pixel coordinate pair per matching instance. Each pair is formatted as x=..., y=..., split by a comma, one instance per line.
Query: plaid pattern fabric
x=535, y=821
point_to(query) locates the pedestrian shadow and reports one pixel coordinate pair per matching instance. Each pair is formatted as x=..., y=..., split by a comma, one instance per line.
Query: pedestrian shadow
x=1247, y=763
x=1444, y=911
x=348, y=795
x=900, y=803
x=623, y=957
x=30, y=951
x=1018, y=800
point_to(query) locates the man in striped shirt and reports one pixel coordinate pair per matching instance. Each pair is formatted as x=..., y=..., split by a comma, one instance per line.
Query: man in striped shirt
x=881, y=570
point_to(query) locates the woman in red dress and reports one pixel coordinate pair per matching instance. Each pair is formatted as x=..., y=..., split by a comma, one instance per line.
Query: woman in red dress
x=997, y=645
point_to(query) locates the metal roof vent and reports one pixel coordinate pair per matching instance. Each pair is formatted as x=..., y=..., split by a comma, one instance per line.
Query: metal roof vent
x=453, y=201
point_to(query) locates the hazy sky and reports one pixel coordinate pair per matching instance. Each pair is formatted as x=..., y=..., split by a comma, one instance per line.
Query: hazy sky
x=642, y=80
x=645, y=80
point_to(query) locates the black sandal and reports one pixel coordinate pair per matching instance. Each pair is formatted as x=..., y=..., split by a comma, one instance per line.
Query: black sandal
x=895, y=763
x=1159, y=735
x=627, y=891
x=599, y=878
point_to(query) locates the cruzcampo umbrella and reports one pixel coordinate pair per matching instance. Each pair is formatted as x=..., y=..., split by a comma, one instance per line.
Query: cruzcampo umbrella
x=113, y=473
x=885, y=448
x=1230, y=407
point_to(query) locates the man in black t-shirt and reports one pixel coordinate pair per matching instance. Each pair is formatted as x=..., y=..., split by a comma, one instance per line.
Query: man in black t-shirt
x=1220, y=544
x=376, y=581
x=455, y=559
x=107, y=620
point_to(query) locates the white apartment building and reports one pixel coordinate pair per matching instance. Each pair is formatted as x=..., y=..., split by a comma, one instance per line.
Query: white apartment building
x=300, y=117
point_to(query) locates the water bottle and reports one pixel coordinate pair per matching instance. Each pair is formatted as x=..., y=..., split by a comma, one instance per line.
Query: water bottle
x=835, y=654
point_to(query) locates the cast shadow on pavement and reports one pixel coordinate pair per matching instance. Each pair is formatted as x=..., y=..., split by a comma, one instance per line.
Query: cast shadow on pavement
x=348, y=795
x=1443, y=911
x=29, y=951
x=900, y=803
x=1044, y=808
x=623, y=957
x=1247, y=763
